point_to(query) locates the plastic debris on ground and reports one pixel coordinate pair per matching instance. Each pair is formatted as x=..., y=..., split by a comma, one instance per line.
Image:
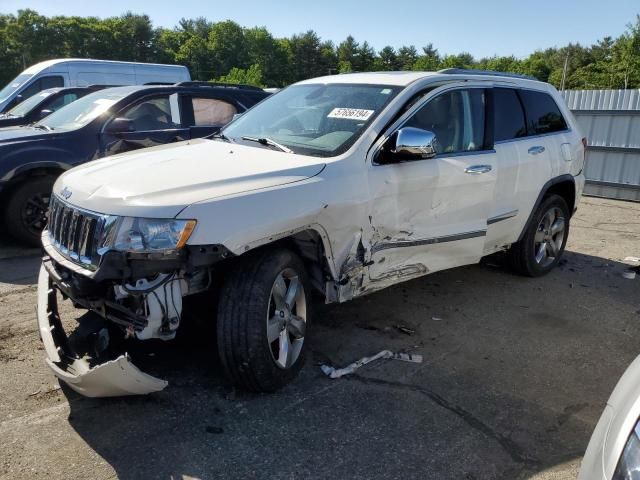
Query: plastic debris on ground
x=332, y=372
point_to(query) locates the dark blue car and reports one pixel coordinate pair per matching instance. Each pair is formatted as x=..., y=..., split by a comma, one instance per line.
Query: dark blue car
x=43, y=104
x=103, y=123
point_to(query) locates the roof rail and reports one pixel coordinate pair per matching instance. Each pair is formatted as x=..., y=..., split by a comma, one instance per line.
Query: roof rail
x=193, y=83
x=158, y=83
x=463, y=71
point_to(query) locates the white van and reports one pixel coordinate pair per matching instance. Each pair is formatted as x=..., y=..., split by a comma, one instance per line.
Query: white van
x=78, y=72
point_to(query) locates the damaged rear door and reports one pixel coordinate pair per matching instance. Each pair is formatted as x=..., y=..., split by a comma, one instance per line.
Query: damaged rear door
x=431, y=214
x=153, y=120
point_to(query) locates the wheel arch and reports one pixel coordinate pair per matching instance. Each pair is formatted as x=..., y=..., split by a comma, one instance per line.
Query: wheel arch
x=564, y=186
x=311, y=243
x=34, y=169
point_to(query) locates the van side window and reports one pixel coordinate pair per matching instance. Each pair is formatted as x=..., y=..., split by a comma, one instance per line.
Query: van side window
x=40, y=84
x=508, y=115
x=456, y=118
x=542, y=112
x=211, y=111
x=52, y=81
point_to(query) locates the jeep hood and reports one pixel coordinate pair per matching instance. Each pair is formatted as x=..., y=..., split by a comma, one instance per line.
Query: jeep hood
x=161, y=181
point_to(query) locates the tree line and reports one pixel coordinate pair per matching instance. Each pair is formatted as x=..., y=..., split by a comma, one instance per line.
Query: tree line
x=227, y=52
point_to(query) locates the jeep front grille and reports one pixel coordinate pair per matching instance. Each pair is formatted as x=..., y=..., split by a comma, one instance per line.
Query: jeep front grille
x=75, y=233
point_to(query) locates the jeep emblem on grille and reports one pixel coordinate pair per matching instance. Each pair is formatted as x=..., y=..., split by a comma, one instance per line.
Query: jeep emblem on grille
x=66, y=193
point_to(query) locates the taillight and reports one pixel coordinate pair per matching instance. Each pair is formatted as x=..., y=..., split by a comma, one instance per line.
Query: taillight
x=584, y=142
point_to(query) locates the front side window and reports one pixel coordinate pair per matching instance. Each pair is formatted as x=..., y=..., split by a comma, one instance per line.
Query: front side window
x=543, y=114
x=61, y=101
x=150, y=114
x=456, y=118
x=52, y=81
x=509, y=122
x=314, y=119
x=211, y=111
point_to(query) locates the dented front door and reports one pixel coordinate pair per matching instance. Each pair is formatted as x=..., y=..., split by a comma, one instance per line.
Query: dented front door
x=431, y=214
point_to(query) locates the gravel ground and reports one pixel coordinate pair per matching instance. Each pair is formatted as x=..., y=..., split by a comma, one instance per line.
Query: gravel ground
x=515, y=376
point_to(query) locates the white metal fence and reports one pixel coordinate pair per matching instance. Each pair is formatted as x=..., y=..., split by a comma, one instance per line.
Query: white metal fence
x=610, y=119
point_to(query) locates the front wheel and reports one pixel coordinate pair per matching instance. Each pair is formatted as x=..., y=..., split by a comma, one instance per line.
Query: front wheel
x=263, y=317
x=26, y=211
x=543, y=243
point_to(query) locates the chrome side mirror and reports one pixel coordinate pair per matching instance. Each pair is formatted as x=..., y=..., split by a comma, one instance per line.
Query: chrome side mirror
x=414, y=144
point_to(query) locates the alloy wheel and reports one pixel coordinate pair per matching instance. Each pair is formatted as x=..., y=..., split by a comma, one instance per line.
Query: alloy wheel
x=549, y=237
x=286, y=318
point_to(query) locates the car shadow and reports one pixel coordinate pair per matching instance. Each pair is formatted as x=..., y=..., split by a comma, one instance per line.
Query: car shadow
x=515, y=376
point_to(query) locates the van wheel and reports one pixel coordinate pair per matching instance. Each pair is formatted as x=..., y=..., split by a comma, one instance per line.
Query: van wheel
x=544, y=240
x=263, y=319
x=26, y=211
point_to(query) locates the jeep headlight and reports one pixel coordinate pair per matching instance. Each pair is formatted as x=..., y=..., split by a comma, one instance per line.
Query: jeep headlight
x=129, y=234
x=629, y=465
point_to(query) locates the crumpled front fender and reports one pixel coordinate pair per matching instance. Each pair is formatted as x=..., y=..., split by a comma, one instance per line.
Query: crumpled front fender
x=114, y=378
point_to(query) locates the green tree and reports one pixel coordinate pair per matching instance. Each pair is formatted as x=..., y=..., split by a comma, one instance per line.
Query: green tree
x=387, y=59
x=228, y=47
x=407, y=57
x=429, y=61
x=249, y=76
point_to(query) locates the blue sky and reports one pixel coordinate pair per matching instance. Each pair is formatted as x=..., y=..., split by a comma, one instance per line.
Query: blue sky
x=483, y=28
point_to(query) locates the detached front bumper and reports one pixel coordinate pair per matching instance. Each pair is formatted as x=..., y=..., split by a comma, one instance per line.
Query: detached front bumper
x=110, y=379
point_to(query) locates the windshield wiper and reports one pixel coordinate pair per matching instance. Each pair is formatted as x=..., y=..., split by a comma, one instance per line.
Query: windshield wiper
x=40, y=126
x=219, y=135
x=269, y=142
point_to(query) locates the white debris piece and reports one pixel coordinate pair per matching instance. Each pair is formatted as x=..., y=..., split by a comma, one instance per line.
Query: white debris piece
x=332, y=372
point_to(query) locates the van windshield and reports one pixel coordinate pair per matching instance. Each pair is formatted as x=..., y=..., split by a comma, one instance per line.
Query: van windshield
x=14, y=85
x=312, y=119
x=79, y=113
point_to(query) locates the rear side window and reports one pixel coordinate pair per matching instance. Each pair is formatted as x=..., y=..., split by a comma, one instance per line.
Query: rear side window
x=211, y=111
x=542, y=112
x=508, y=114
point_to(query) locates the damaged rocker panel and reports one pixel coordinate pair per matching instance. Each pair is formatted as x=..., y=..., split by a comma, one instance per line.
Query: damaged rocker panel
x=501, y=217
x=429, y=241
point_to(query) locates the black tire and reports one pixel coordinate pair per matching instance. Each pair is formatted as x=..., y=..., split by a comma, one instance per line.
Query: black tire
x=522, y=255
x=245, y=299
x=26, y=209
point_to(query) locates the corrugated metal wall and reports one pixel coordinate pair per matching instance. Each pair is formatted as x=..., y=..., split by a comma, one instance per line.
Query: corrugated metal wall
x=610, y=119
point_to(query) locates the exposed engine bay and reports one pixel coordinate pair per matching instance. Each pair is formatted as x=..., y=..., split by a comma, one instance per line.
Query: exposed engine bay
x=144, y=309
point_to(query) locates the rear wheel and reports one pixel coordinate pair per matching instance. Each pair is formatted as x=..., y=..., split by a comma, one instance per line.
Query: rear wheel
x=26, y=211
x=544, y=240
x=263, y=315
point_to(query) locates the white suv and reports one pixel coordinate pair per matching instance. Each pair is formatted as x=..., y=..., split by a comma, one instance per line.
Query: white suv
x=340, y=185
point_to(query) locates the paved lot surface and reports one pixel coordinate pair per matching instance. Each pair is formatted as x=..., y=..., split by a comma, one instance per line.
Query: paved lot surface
x=515, y=376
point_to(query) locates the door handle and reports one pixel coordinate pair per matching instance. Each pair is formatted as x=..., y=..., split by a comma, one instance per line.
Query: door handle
x=537, y=150
x=478, y=169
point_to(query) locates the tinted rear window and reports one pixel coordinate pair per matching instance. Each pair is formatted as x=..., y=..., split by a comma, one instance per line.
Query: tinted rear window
x=508, y=114
x=543, y=114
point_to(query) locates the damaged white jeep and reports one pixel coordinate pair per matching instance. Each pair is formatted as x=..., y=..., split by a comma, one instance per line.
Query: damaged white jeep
x=338, y=186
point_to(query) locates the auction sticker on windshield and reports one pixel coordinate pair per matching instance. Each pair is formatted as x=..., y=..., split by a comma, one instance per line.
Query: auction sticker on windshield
x=350, y=113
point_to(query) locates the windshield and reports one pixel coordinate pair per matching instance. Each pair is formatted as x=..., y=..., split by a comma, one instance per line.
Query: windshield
x=320, y=120
x=29, y=104
x=79, y=113
x=13, y=85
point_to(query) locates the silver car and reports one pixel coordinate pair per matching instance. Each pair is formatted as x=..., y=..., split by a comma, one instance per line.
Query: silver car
x=613, y=452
